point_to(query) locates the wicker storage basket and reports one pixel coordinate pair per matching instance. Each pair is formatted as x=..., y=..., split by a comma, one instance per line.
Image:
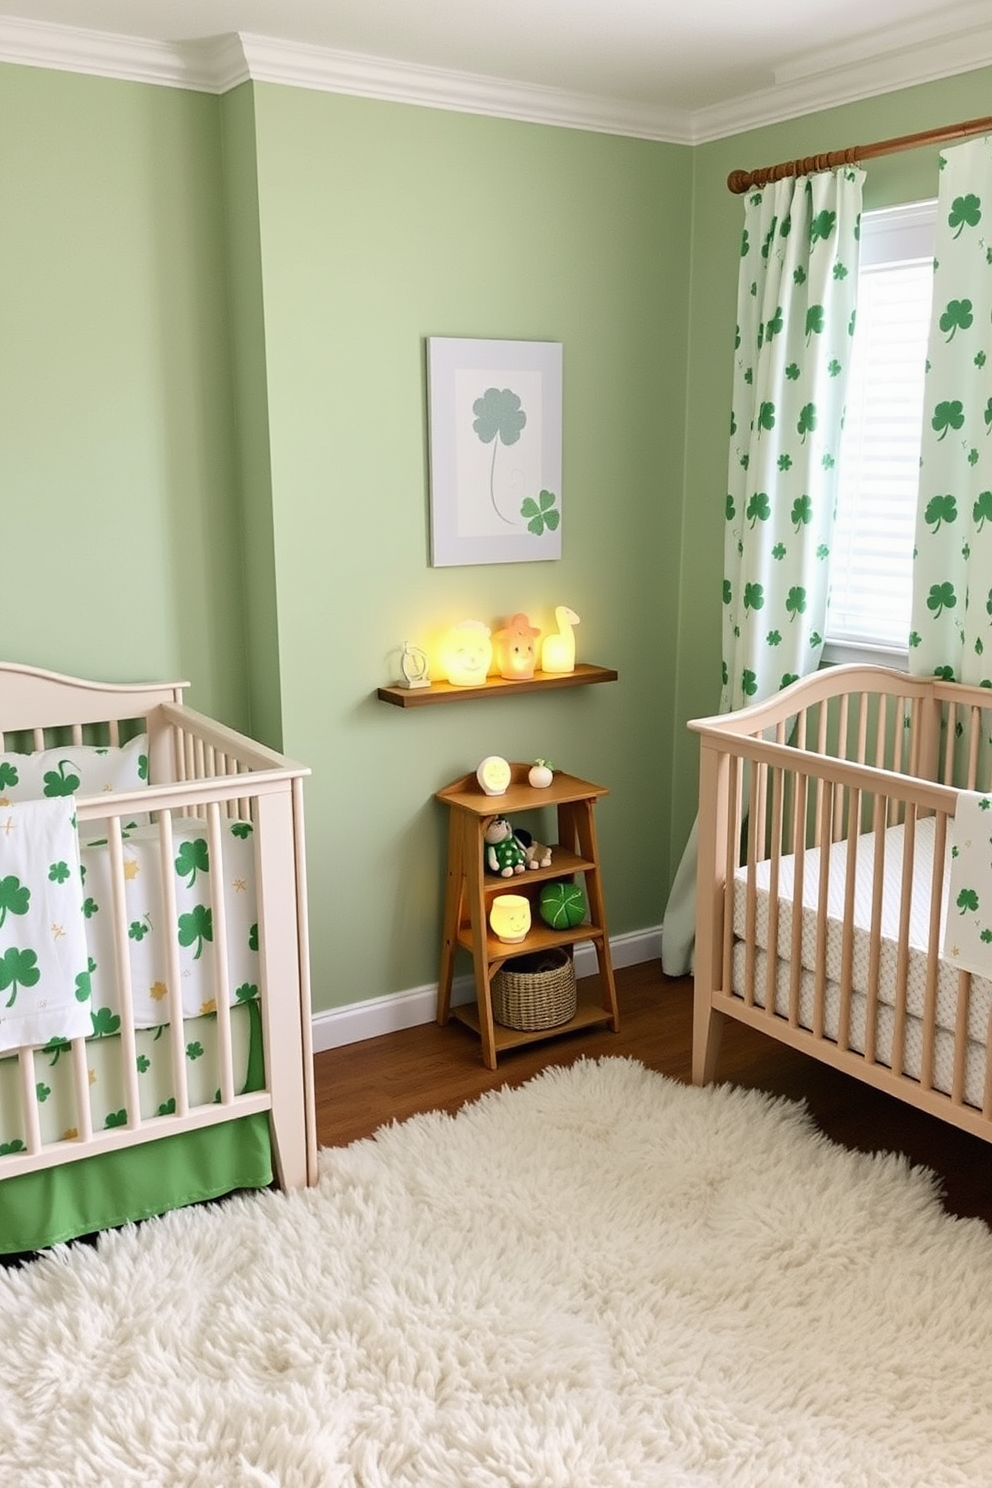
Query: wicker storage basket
x=536, y=991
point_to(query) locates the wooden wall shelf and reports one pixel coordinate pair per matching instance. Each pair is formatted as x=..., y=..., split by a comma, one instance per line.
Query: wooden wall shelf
x=443, y=692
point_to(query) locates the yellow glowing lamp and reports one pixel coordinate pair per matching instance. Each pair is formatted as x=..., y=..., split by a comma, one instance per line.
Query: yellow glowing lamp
x=509, y=917
x=558, y=646
x=494, y=775
x=467, y=654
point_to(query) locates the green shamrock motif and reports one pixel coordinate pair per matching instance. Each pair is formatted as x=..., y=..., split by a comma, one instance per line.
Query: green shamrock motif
x=807, y=421
x=759, y=508
x=958, y=316
x=749, y=682
x=499, y=419
x=105, y=1022
x=192, y=859
x=966, y=211
x=766, y=417
x=84, y=989
x=253, y=938
x=15, y=897
x=940, y=509
x=754, y=596
x=967, y=901
x=947, y=415
x=241, y=829
x=795, y=601
x=18, y=969
x=815, y=322
x=7, y=1149
x=802, y=512
x=822, y=226
x=540, y=514
x=9, y=776
x=58, y=872
x=59, y=782
x=56, y=1047
x=195, y=928
x=981, y=512
x=143, y=1063
x=194, y=1050
x=941, y=598
x=247, y=992
x=137, y=930
x=115, y=1118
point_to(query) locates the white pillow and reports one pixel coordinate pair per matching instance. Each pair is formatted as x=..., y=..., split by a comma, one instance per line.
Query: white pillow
x=75, y=770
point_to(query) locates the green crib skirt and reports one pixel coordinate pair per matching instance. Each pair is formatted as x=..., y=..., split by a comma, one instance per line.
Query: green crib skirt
x=113, y=1188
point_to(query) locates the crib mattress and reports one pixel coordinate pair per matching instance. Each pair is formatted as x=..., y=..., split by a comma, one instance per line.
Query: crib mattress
x=948, y=980
x=913, y=1036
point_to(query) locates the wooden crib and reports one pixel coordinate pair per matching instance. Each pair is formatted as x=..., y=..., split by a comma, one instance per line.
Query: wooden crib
x=826, y=839
x=239, y=1065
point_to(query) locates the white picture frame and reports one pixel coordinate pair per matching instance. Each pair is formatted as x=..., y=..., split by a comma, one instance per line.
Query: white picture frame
x=495, y=434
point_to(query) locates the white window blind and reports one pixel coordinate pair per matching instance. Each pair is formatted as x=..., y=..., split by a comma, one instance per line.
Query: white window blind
x=872, y=554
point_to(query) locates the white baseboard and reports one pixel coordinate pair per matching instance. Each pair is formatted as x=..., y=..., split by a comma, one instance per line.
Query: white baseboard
x=364, y=1020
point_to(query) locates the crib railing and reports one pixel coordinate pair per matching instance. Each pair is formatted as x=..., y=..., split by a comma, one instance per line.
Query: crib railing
x=851, y=752
x=198, y=769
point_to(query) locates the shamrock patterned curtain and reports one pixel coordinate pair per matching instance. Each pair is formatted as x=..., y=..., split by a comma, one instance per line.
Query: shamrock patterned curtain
x=951, y=633
x=795, y=322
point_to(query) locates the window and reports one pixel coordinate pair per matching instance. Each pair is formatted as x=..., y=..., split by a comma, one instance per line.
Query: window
x=872, y=556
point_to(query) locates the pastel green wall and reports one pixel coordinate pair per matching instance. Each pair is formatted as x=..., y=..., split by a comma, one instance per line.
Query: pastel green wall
x=380, y=226
x=121, y=534
x=717, y=217
x=213, y=441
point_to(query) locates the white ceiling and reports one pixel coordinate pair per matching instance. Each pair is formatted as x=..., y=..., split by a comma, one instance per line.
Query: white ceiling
x=740, y=61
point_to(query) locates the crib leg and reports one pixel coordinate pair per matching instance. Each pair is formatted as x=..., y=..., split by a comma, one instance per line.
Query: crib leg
x=707, y=1032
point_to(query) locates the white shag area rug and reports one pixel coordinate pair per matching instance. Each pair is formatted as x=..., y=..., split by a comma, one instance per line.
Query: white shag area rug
x=603, y=1278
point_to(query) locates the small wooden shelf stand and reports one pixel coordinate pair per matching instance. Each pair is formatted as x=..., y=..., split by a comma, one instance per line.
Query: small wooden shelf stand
x=470, y=890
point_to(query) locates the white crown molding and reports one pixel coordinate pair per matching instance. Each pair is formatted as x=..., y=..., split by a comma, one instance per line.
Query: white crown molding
x=273, y=61
x=805, y=85
x=809, y=84
x=100, y=54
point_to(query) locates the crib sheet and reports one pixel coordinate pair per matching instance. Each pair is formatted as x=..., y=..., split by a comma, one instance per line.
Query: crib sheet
x=195, y=880
x=54, y=1085
x=948, y=976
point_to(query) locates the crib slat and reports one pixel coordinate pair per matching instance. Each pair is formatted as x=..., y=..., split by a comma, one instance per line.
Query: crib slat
x=847, y=933
x=81, y=1091
x=822, y=916
x=123, y=961
x=222, y=978
x=799, y=851
x=730, y=868
x=29, y=1100
x=177, y=1041
x=933, y=952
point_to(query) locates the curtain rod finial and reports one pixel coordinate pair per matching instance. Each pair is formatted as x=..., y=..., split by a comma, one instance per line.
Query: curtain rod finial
x=738, y=181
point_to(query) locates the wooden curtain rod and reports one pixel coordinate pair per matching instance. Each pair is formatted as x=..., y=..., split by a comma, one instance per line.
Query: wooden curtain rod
x=740, y=181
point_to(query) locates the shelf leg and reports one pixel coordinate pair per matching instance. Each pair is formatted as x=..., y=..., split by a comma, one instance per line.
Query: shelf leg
x=454, y=896
x=577, y=828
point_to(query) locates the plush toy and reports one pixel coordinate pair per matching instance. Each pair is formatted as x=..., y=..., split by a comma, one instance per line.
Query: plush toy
x=562, y=905
x=505, y=852
x=537, y=855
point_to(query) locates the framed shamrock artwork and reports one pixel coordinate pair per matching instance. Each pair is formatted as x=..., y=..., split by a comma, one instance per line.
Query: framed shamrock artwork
x=494, y=419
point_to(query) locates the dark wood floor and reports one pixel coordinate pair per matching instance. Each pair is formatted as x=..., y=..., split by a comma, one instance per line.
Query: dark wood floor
x=363, y=1086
